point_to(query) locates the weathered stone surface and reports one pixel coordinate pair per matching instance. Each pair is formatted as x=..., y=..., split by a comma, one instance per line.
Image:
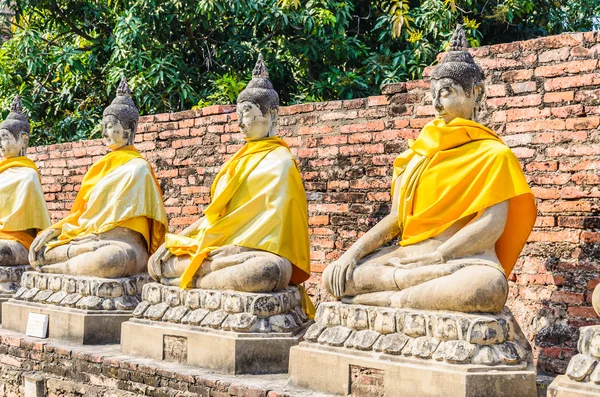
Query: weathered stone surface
x=156, y=312
x=485, y=355
x=385, y=322
x=90, y=303
x=425, y=346
x=313, y=332
x=212, y=300
x=175, y=314
x=57, y=297
x=415, y=325
x=393, y=343
x=282, y=323
x=580, y=367
x=71, y=299
x=233, y=303
x=365, y=339
x=430, y=335
x=240, y=322
x=195, y=317
x=445, y=328
x=226, y=310
x=335, y=336
x=459, y=351
x=192, y=299
x=87, y=293
x=172, y=296
x=141, y=308
x=357, y=318
x=486, y=332
x=43, y=295
x=215, y=319
x=126, y=302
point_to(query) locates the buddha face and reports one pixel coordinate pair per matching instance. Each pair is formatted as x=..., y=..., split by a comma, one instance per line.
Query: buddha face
x=450, y=100
x=252, y=122
x=114, y=133
x=10, y=146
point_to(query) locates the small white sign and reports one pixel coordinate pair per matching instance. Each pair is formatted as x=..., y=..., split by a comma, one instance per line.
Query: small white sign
x=37, y=325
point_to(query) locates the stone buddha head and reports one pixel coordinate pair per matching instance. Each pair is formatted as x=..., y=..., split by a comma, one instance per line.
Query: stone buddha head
x=457, y=82
x=14, y=131
x=258, y=104
x=120, y=119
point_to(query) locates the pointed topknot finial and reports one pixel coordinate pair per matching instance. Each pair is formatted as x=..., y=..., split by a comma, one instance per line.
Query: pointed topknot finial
x=459, y=40
x=16, y=106
x=123, y=89
x=260, y=69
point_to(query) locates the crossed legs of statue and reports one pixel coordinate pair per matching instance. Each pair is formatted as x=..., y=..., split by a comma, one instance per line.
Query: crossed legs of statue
x=233, y=268
x=460, y=285
x=12, y=253
x=119, y=252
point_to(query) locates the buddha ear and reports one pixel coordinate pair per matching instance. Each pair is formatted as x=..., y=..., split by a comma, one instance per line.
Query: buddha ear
x=478, y=91
x=25, y=139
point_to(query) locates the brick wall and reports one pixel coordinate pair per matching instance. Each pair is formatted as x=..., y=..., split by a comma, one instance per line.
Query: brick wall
x=543, y=97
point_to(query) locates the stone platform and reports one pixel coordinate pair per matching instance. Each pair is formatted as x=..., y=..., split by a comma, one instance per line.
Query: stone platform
x=253, y=331
x=10, y=282
x=421, y=353
x=583, y=373
x=86, y=310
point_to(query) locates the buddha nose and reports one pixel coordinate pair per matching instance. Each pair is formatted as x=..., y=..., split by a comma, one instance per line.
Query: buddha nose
x=438, y=105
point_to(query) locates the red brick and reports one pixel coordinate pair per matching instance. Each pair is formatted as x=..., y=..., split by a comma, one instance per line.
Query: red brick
x=378, y=100
x=566, y=68
x=535, y=125
x=522, y=101
x=572, y=81
x=376, y=125
x=578, y=311
x=496, y=90
x=520, y=88
x=516, y=75
x=555, y=55
x=567, y=297
x=583, y=123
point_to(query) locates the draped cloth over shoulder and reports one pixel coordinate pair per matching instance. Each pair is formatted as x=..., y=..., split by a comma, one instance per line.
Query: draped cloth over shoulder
x=117, y=191
x=23, y=206
x=269, y=214
x=459, y=169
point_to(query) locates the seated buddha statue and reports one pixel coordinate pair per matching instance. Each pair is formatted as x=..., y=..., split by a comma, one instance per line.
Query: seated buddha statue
x=23, y=210
x=253, y=236
x=461, y=210
x=118, y=219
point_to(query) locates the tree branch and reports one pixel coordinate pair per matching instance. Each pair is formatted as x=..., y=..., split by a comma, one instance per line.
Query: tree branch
x=70, y=23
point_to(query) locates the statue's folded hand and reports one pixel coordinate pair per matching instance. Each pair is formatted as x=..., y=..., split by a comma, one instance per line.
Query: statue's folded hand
x=341, y=272
x=430, y=258
x=44, y=238
x=155, y=262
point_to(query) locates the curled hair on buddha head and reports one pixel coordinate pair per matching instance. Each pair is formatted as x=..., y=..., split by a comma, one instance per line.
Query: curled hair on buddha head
x=124, y=109
x=458, y=64
x=16, y=122
x=259, y=90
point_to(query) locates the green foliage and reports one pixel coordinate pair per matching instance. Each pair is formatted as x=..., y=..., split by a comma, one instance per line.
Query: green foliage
x=67, y=57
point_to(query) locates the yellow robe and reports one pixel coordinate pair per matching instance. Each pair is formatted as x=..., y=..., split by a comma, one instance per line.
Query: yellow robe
x=257, y=201
x=22, y=203
x=120, y=189
x=459, y=169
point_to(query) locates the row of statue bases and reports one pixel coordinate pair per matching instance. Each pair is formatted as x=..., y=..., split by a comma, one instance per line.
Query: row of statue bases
x=427, y=315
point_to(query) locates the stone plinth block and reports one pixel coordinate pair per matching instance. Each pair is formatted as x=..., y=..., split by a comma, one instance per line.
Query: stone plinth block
x=10, y=281
x=355, y=349
x=583, y=372
x=254, y=331
x=86, y=310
